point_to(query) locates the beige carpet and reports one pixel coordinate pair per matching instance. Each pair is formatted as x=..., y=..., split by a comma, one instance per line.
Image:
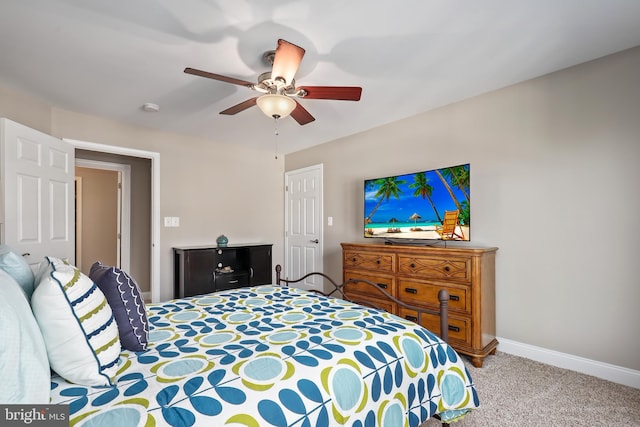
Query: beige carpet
x=515, y=391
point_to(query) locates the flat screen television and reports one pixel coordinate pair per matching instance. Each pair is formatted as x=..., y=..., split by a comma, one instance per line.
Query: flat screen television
x=427, y=205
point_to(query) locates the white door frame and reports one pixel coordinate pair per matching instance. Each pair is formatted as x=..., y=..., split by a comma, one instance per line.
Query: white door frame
x=124, y=207
x=319, y=220
x=155, y=200
x=78, y=225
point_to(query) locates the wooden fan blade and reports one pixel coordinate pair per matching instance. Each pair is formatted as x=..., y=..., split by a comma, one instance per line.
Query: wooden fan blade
x=340, y=93
x=286, y=61
x=240, y=107
x=301, y=115
x=218, y=77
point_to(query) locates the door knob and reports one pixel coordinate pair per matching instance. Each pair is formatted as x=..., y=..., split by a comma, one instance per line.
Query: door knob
x=315, y=241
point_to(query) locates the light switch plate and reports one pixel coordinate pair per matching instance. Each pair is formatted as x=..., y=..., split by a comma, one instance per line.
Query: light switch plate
x=172, y=221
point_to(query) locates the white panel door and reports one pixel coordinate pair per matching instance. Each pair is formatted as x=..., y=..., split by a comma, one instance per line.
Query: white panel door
x=303, y=216
x=38, y=193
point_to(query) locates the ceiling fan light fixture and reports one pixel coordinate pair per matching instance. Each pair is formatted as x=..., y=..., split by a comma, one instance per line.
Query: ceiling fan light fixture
x=279, y=87
x=276, y=106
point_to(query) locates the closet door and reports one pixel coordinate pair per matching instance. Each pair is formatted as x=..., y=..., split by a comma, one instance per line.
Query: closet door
x=38, y=193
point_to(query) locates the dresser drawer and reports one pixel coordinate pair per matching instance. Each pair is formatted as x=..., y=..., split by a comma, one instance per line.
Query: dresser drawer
x=425, y=294
x=372, y=261
x=459, y=327
x=458, y=268
x=384, y=282
x=224, y=281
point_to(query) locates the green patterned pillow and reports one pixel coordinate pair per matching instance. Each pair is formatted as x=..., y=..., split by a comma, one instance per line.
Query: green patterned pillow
x=77, y=324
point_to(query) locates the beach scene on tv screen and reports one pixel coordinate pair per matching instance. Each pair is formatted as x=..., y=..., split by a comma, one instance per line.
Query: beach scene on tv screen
x=426, y=205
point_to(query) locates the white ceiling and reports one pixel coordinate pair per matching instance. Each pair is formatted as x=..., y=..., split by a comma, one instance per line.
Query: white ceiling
x=107, y=58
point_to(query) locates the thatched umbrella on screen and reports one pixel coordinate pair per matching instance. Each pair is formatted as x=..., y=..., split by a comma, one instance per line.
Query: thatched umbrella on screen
x=415, y=217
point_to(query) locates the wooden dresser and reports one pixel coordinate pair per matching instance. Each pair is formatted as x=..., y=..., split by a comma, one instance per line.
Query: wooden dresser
x=415, y=274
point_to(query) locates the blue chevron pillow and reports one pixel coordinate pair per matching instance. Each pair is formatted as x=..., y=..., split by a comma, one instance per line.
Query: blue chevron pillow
x=125, y=299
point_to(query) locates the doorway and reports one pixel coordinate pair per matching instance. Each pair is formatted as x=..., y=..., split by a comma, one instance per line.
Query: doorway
x=151, y=222
x=103, y=214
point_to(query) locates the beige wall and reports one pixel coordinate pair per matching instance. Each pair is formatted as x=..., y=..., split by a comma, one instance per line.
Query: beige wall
x=555, y=169
x=213, y=186
x=98, y=194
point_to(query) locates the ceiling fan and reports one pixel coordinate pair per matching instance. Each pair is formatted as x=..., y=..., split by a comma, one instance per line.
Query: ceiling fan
x=278, y=88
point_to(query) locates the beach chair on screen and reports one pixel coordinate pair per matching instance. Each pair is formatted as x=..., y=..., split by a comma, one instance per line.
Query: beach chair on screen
x=447, y=230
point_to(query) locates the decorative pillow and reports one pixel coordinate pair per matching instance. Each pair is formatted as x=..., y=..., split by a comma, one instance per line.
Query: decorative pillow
x=24, y=367
x=18, y=268
x=77, y=324
x=127, y=304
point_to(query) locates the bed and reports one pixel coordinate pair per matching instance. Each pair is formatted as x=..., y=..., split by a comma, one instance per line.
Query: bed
x=275, y=355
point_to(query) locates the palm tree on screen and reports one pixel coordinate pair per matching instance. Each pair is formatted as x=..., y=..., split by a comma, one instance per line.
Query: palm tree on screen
x=459, y=178
x=387, y=187
x=424, y=190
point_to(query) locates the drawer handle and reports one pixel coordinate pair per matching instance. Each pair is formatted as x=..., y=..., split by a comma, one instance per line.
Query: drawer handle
x=233, y=281
x=411, y=290
x=411, y=318
x=412, y=265
x=454, y=297
x=353, y=259
x=447, y=268
x=378, y=261
x=382, y=285
x=454, y=328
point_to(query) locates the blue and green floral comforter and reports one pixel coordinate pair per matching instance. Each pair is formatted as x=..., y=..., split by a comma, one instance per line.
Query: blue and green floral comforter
x=276, y=356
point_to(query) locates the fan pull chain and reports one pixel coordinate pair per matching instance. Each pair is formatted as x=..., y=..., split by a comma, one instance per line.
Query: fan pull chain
x=276, y=133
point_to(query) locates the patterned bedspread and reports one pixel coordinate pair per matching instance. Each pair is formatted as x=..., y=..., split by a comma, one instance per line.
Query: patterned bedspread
x=276, y=356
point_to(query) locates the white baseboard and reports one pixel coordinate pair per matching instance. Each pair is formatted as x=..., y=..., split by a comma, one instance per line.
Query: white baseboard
x=617, y=374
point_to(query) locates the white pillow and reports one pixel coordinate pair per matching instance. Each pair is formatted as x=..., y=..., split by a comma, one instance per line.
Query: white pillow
x=77, y=324
x=24, y=367
x=18, y=268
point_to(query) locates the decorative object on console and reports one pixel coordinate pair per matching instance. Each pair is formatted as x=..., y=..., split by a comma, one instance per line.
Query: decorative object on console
x=77, y=324
x=414, y=275
x=126, y=302
x=222, y=240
